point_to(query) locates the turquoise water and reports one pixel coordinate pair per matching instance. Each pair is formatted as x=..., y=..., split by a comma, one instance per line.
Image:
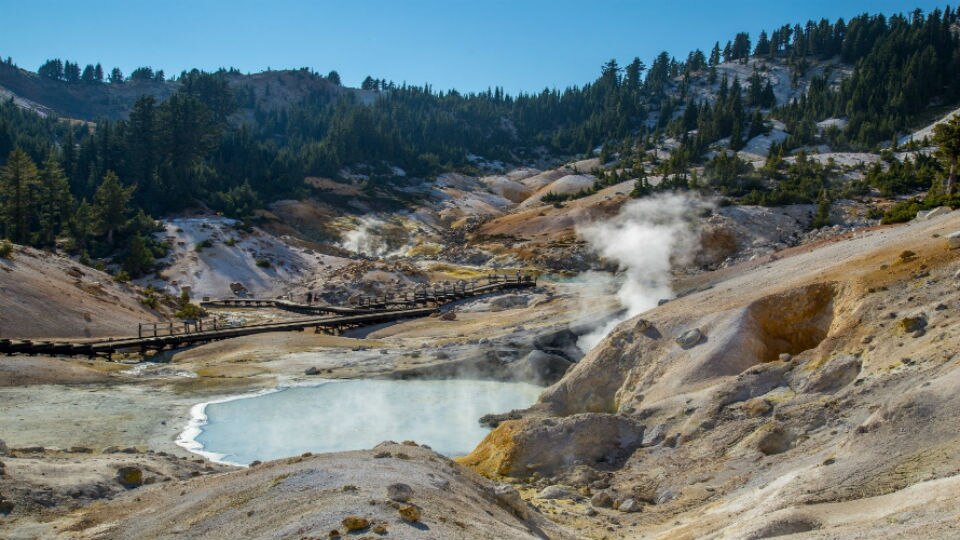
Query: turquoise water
x=342, y=415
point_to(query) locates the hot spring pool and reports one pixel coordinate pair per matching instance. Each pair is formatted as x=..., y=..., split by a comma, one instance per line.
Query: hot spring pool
x=339, y=415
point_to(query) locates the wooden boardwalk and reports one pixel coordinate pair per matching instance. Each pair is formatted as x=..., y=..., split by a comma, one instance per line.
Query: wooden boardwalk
x=370, y=311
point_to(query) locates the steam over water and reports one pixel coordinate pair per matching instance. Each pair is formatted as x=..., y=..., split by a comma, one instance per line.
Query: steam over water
x=351, y=415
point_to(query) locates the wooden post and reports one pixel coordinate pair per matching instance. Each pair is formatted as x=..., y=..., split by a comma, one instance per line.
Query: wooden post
x=139, y=330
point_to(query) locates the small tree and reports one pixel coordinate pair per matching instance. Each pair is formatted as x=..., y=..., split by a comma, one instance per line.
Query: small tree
x=187, y=310
x=947, y=138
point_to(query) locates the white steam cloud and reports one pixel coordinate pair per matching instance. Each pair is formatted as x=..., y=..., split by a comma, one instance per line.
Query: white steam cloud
x=645, y=240
x=374, y=237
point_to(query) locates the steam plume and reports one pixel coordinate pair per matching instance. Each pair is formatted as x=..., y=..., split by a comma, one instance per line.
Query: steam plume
x=645, y=240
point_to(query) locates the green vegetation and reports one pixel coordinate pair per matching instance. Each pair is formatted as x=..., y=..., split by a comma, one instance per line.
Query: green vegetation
x=214, y=142
x=6, y=249
x=187, y=310
x=263, y=263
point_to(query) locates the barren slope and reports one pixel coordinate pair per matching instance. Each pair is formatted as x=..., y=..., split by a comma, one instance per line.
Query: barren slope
x=45, y=295
x=824, y=378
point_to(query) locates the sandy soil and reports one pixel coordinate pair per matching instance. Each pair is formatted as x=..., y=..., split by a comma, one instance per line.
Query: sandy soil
x=44, y=295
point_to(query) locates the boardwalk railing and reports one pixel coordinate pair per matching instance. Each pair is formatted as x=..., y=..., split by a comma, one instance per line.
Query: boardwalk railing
x=419, y=302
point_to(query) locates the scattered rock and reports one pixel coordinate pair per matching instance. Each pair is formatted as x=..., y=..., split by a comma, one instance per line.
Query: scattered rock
x=399, y=492
x=355, y=523
x=601, y=499
x=556, y=492
x=448, y=316
x=953, y=240
x=785, y=357
x=5, y=507
x=629, y=506
x=909, y=325
x=690, y=338
x=907, y=256
x=312, y=370
x=409, y=512
x=380, y=529
x=773, y=439
x=130, y=477
x=836, y=373
x=3, y=448
x=756, y=407
x=925, y=215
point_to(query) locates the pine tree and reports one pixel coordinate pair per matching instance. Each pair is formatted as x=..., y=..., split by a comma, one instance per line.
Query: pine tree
x=116, y=76
x=55, y=201
x=18, y=181
x=139, y=258
x=111, y=205
x=334, y=77
x=715, y=55
x=98, y=72
x=946, y=136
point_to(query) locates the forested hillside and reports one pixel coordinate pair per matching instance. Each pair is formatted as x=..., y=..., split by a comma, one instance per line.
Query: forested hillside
x=229, y=142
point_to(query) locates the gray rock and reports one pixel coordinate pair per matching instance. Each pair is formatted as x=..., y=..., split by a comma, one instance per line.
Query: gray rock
x=925, y=215
x=311, y=371
x=601, y=499
x=509, y=496
x=690, y=338
x=540, y=368
x=3, y=448
x=130, y=477
x=953, y=240
x=556, y=492
x=836, y=373
x=399, y=492
x=629, y=506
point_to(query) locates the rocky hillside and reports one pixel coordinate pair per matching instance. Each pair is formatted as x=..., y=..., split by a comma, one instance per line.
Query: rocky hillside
x=45, y=295
x=813, y=394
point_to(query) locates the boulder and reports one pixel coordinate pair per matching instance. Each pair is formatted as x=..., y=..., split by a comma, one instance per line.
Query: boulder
x=601, y=499
x=836, y=373
x=556, y=492
x=925, y=215
x=953, y=240
x=130, y=477
x=773, y=438
x=540, y=368
x=913, y=323
x=629, y=506
x=410, y=513
x=355, y=523
x=312, y=370
x=448, y=316
x=690, y=338
x=3, y=448
x=399, y=492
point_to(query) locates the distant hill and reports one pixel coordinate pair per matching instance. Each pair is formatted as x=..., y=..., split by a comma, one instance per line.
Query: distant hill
x=92, y=101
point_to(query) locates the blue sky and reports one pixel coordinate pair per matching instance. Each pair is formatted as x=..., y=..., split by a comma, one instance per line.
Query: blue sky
x=467, y=45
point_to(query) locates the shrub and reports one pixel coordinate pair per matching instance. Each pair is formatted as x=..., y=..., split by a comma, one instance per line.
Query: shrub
x=230, y=242
x=203, y=245
x=6, y=250
x=263, y=263
x=121, y=277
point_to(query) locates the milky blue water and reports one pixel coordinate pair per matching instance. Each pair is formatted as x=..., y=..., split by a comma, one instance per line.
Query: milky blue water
x=342, y=415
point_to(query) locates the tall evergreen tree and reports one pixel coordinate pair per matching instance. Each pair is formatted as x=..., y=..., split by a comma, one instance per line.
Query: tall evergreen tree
x=111, y=205
x=18, y=182
x=946, y=136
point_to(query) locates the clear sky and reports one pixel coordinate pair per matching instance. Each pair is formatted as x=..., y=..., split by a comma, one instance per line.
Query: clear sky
x=521, y=45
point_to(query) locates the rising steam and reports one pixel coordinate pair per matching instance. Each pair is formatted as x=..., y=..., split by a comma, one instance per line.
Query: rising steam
x=645, y=240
